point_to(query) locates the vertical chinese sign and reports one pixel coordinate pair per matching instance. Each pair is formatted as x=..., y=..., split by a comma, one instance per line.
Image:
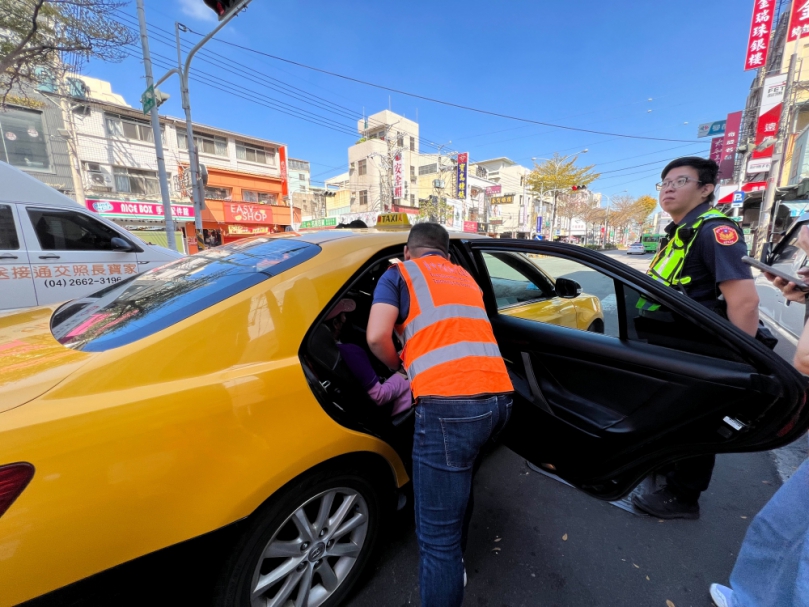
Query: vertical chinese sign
x=731, y=140
x=798, y=20
x=463, y=162
x=282, y=157
x=758, y=44
x=398, y=176
x=717, y=143
x=769, y=115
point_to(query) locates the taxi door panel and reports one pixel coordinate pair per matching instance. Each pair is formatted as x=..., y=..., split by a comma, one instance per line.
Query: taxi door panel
x=601, y=411
x=16, y=280
x=72, y=254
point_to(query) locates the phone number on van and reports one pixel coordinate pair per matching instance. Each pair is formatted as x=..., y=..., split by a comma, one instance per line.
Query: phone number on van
x=78, y=282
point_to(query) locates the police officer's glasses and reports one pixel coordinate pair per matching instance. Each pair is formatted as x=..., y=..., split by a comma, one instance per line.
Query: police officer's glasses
x=675, y=183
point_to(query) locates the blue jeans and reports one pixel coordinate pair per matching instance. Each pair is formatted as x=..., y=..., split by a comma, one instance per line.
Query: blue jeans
x=449, y=436
x=772, y=569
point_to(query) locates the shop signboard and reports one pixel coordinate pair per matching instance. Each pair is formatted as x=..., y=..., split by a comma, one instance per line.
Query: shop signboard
x=758, y=43
x=798, y=20
x=135, y=209
x=716, y=149
x=769, y=114
x=463, y=163
x=470, y=226
x=711, y=129
x=239, y=230
x=398, y=176
x=734, y=123
x=494, y=189
x=242, y=212
x=323, y=222
x=506, y=199
x=282, y=160
x=759, y=166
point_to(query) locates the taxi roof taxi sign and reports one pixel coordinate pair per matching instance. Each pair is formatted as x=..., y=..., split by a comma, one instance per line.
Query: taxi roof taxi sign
x=393, y=221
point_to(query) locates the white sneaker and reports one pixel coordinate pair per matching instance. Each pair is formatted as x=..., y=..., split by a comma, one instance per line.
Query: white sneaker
x=722, y=596
x=464, y=575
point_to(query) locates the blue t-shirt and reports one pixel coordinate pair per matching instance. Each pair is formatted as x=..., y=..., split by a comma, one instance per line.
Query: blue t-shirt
x=392, y=289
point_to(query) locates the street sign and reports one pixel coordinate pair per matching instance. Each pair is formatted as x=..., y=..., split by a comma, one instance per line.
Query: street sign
x=711, y=129
x=539, y=223
x=738, y=197
x=148, y=100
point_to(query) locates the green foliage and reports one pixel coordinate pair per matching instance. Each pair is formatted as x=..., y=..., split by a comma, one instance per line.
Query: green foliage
x=434, y=208
x=58, y=35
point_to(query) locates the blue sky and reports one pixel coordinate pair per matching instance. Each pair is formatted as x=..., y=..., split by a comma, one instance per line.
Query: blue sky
x=631, y=67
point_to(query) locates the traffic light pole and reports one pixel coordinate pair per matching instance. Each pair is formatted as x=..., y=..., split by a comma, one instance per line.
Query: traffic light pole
x=197, y=187
x=158, y=136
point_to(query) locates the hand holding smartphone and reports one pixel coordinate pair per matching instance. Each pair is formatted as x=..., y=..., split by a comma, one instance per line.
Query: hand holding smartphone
x=799, y=283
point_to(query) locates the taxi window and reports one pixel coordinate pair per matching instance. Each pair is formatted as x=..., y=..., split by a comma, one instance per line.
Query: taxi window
x=149, y=302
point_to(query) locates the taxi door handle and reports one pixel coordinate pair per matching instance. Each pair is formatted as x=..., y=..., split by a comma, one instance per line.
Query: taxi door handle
x=51, y=256
x=8, y=256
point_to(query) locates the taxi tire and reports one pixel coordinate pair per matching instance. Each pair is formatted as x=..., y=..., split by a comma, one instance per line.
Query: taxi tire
x=233, y=588
x=597, y=326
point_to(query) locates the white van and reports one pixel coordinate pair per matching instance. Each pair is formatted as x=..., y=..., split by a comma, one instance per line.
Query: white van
x=52, y=249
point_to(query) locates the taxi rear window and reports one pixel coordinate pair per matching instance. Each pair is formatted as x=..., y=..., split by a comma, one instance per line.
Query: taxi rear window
x=147, y=303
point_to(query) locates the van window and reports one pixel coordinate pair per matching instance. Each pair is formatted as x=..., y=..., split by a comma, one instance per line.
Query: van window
x=147, y=303
x=59, y=230
x=8, y=233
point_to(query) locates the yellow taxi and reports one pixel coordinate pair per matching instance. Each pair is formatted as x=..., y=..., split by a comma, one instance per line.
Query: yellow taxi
x=206, y=394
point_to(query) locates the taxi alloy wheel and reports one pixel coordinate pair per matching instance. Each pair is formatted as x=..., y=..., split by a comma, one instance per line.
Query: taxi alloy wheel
x=308, y=548
x=313, y=551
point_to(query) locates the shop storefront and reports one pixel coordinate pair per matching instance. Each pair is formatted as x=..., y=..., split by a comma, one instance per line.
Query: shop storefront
x=146, y=220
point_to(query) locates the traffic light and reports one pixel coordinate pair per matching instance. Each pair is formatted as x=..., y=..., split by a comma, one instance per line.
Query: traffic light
x=221, y=7
x=576, y=188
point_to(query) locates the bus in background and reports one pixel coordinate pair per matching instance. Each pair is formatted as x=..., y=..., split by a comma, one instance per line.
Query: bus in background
x=651, y=242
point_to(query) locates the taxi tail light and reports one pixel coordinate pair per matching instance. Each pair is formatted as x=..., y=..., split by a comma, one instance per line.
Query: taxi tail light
x=13, y=479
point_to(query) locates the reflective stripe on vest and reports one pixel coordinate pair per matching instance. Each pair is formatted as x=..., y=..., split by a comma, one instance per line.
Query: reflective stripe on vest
x=449, y=346
x=668, y=263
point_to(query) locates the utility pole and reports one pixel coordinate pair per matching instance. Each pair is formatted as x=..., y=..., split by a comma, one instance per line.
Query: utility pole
x=763, y=232
x=158, y=135
x=197, y=187
x=72, y=152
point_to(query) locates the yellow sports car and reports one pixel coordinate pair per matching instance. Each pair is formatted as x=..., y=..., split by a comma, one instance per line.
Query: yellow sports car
x=209, y=393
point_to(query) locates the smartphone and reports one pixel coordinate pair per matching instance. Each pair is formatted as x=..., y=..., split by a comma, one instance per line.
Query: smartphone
x=802, y=286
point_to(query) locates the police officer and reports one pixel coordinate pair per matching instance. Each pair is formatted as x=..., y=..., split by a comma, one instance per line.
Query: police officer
x=702, y=257
x=462, y=392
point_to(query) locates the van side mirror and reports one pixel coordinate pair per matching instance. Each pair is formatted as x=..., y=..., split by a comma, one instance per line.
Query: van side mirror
x=567, y=289
x=121, y=245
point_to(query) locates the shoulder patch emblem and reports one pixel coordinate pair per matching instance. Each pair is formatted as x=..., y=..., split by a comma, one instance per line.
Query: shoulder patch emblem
x=725, y=235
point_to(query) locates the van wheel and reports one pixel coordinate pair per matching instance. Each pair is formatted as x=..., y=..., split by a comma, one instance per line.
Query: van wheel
x=309, y=547
x=597, y=326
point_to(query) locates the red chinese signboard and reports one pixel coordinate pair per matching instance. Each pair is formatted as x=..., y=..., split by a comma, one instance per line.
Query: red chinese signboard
x=240, y=212
x=731, y=140
x=798, y=20
x=398, y=176
x=470, y=226
x=138, y=210
x=758, y=43
x=769, y=113
x=282, y=159
x=717, y=143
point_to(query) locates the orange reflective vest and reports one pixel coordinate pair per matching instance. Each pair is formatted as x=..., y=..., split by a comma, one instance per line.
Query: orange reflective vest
x=449, y=345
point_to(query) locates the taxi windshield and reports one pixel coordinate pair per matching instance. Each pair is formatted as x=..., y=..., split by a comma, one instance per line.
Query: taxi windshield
x=149, y=302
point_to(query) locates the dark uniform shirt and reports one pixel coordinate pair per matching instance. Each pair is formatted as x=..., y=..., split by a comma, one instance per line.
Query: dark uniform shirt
x=714, y=257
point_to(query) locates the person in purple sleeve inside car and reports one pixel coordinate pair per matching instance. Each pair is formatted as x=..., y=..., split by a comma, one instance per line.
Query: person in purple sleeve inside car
x=395, y=389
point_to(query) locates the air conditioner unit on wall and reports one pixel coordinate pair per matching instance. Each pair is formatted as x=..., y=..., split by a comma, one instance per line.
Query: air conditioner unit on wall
x=97, y=177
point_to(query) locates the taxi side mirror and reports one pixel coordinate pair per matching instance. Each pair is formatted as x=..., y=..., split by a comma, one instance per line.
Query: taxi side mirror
x=567, y=289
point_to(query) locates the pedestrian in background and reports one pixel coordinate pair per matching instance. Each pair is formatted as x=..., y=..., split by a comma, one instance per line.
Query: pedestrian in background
x=462, y=392
x=772, y=569
x=701, y=256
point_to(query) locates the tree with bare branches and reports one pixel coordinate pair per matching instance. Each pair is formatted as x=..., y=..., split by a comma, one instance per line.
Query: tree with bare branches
x=57, y=35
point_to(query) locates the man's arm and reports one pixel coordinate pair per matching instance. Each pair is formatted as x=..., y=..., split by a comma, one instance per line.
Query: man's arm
x=379, y=334
x=742, y=304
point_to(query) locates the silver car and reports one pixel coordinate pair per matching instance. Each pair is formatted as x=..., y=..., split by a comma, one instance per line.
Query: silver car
x=787, y=257
x=636, y=248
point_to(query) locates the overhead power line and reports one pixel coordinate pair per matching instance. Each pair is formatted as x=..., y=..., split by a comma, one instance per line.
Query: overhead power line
x=441, y=101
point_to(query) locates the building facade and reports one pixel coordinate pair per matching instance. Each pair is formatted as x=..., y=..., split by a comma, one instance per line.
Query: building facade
x=512, y=208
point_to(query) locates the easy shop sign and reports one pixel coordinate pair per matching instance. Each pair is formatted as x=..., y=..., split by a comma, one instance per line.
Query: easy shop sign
x=247, y=213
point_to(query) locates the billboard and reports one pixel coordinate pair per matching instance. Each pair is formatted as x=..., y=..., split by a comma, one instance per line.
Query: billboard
x=506, y=199
x=769, y=113
x=734, y=122
x=463, y=164
x=758, y=42
x=798, y=20
x=711, y=129
x=716, y=149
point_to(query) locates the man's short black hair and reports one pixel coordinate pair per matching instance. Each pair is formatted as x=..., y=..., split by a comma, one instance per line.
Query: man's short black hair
x=357, y=223
x=428, y=235
x=707, y=169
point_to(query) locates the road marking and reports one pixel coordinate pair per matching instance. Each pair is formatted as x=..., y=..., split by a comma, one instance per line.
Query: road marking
x=609, y=303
